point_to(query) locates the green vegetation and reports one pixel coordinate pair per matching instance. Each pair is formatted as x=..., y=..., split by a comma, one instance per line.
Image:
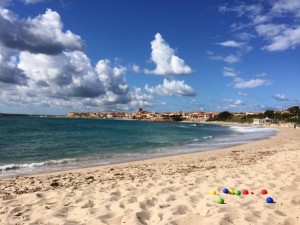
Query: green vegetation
x=291, y=115
x=175, y=118
x=223, y=116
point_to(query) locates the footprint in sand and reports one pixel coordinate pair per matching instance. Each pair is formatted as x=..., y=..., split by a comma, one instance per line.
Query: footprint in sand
x=278, y=212
x=108, y=206
x=63, y=212
x=105, y=218
x=149, y=185
x=161, y=216
x=122, y=205
x=8, y=197
x=162, y=206
x=297, y=178
x=39, y=195
x=79, y=200
x=163, y=191
x=180, y=210
x=162, y=183
x=290, y=221
x=148, y=204
x=115, y=195
x=195, y=199
x=18, y=211
x=296, y=200
x=71, y=222
x=132, y=199
x=173, y=189
x=90, y=204
x=229, y=218
x=171, y=198
x=254, y=217
x=142, y=217
x=227, y=209
x=93, y=211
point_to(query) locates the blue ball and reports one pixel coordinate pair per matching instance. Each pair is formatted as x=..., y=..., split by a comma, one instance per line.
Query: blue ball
x=225, y=190
x=269, y=200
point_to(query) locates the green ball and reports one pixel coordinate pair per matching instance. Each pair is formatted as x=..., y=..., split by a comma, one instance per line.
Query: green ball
x=237, y=192
x=220, y=200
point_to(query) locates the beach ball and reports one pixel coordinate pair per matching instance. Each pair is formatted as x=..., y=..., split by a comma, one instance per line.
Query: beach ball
x=225, y=191
x=212, y=192
x=231, y=191
x=220, y=200
x=245, y=192
x=269, y=200
x=237, y=192
x=264, y=191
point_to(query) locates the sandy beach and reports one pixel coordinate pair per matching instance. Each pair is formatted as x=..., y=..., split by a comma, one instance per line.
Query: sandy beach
x=168, y=190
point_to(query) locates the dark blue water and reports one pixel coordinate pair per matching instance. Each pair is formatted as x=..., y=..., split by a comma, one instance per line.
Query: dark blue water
x=31, y=145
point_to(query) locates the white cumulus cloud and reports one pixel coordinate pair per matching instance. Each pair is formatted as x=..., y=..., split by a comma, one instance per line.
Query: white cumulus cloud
x=32, y=1
x=41, y=65
x=171, y=88
x=235, y=103
x=283, y=98
x=242, y=94
x=231, y=43
x=231, y=59
x=280, y=97
x=286, y=6
x=165, y=59
x=276, y=21
x=229, y=72
x=253, y=83
x=239, y=82
x=288, y=38
x=41, y=34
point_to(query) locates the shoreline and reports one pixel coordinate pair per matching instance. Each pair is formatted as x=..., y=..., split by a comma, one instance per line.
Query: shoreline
x=166, y=190
x=44, y=168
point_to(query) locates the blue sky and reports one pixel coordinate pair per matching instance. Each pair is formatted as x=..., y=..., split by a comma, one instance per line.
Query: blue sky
x=62, y=56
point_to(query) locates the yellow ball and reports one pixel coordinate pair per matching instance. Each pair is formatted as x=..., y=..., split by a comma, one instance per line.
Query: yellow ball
x=212, y=192
x=231, y=191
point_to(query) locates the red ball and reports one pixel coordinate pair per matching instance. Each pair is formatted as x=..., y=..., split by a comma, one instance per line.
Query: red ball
x=245, y=192
x=264, y=191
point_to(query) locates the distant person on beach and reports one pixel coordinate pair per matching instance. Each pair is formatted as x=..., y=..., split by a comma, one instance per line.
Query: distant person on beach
x=295, y=125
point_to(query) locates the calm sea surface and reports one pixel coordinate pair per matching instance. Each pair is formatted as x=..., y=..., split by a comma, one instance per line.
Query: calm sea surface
x=33, y=145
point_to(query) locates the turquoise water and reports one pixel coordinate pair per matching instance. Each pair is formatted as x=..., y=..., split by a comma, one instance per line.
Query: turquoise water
x=33, y=145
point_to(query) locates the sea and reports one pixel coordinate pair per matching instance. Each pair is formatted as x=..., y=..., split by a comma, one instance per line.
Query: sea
x=30, y=145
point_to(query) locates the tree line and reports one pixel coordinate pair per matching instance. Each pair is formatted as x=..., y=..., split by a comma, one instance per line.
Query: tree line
x=292, y=115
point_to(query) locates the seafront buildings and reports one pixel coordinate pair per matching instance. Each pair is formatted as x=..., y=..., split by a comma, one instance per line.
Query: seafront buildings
x=140, y=114
x=258, y=118
x=267, y=117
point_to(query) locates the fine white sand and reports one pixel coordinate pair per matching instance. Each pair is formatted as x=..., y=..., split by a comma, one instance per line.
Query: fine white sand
x=169, y=190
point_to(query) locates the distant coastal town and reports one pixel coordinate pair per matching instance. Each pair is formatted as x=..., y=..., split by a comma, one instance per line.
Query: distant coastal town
x=290, y=115
x=265, y=117
x=141, y=114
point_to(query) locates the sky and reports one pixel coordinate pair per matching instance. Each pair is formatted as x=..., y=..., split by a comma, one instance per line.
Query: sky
x=60, y=56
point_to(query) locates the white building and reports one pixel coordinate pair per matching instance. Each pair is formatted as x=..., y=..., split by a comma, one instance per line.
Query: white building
x=265, y=121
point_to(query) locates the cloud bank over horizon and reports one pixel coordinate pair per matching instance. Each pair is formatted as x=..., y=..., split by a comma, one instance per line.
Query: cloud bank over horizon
x=49, y=59
x=43, y=64
x=46, y=65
